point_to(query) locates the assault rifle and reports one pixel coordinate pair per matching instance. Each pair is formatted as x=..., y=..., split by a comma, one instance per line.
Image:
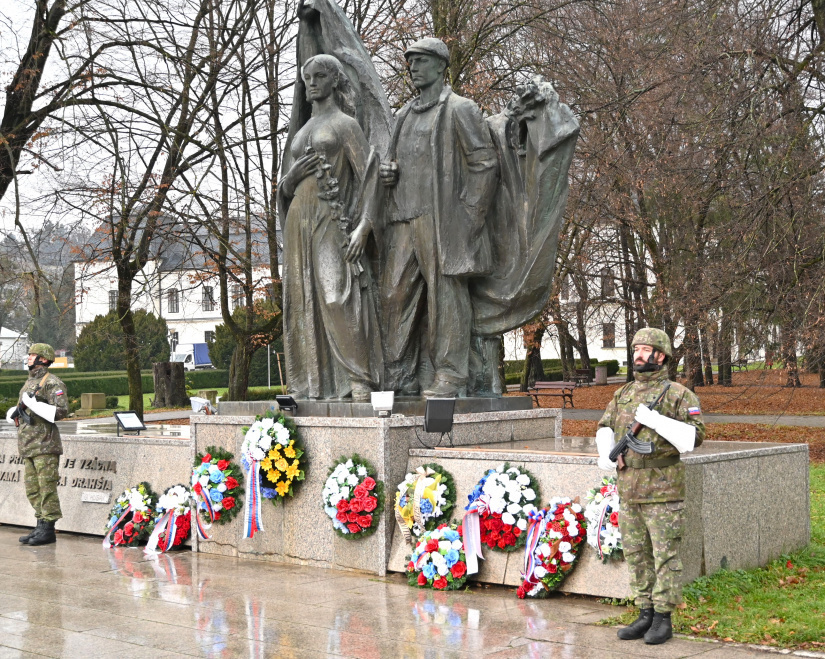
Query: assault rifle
x=20, y=411
x=629, y=440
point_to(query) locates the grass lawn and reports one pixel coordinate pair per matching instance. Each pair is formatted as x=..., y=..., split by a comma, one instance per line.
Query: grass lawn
x=781, y=605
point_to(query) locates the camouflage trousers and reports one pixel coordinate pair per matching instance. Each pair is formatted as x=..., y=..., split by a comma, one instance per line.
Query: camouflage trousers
x=651, y=537
x=41, y=480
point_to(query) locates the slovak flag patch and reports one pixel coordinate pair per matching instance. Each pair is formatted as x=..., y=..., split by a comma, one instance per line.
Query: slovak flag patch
x=693, y=411
x=59, y=392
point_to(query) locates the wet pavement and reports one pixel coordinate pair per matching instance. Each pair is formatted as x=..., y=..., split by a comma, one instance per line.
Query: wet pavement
x=76, y=599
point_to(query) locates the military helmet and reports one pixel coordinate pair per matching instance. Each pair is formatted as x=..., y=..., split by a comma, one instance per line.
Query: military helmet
x=429, y=46
x=43, y=350
x=656, y=338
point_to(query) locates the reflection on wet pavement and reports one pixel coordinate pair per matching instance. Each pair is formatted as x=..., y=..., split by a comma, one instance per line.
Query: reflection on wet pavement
x=76, y=599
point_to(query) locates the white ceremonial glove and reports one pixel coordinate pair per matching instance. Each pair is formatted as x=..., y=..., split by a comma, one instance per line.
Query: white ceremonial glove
x=605, y=441
x=9, y=413
x=682, y=435
x=43, y=410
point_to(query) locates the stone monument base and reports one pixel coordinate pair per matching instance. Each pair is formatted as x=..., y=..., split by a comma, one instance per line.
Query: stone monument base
x=298, y=531
x=746, y=505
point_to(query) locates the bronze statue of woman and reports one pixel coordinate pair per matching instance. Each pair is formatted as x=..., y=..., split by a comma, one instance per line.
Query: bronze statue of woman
x=332, y=345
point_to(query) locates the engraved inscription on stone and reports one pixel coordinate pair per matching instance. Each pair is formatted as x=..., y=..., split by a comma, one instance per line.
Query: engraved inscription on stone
x=95, y=497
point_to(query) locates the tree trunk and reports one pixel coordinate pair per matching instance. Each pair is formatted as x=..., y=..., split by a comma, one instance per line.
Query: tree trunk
x=789, y=357
x=533, y=368
x=581, y=327
x=239, y=371
x=170, y=384
x=724, y=352
x=693, y=359
x=708, y=363
x=130, y=347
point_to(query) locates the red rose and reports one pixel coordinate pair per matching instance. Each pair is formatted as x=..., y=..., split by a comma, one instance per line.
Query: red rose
x=458, y=570
x=507, y=528
x=580, y=516
x=360, y=491
x=228, y=503
x=460, y=529
x=614, y=518
x=137, y=517
x=422, y=580
x=410, y=566
x=206, y=458
x=343, y=505
x=432, y=545
x=509, y=539
x=369, y=504
x=497, y=525
x=552, y=569
x=501, y=544
x=356, y=505
x=369, y=483
x=223, y=464
x=442, y=526
x=217, y=515
x=129, y=529
x=440, y=583
x=341, y=517
x=118, y=537
x=354, y=528
x=516, y=531
x=352, y=517
x=365, y=521
x=231, y=483
x=491, y=542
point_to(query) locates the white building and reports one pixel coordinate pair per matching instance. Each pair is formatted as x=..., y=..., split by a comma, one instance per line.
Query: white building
x=178, y=285
x=14, y=348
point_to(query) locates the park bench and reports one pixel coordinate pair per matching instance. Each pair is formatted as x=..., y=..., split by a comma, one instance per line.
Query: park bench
x=740, y=364
x=582, y=376
x=563, y=390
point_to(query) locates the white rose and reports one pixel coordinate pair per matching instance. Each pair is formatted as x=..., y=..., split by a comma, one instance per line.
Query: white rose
x=348, y=464
x=544, y=549
x=352, y=480
x=344, y=492
x=567, y=557
x=540, y=572
x=443, y=569
x=529, y=494
x=456, y=544
x=267, y=423
x=576, y=508
x=222, y=487
x=361, y=471
x=514, y=509
x=565, y=546
x=522, y=524
x=257, y=454
x=573, y=531
x=507, y=518
x=528, y=508
x=445, y=545
x=515, y=496
x=204, y=480
x=497, y=505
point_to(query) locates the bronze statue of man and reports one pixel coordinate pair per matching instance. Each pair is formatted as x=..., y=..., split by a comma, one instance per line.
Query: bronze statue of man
x=442, y=174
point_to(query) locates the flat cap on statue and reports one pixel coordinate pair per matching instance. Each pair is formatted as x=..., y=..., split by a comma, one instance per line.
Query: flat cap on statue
x=429, y=46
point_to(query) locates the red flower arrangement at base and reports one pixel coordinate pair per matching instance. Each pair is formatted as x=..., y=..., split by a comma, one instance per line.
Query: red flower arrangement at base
x=439, y=561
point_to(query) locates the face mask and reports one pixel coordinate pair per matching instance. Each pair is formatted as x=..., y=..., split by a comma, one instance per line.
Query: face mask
x=649, y=366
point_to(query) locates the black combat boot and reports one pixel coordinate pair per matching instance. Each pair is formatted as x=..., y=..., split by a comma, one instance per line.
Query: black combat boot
x=25, y=538
x=661, y=629
x=43, y=535
x=638, y=627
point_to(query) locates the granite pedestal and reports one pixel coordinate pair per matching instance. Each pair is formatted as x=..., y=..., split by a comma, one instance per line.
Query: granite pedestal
x=746, y=504
x=94, y=470
x=298, y=531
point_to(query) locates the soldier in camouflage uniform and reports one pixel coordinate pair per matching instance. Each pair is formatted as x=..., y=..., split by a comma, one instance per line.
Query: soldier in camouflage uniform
x=652, y=487
x=43, y=399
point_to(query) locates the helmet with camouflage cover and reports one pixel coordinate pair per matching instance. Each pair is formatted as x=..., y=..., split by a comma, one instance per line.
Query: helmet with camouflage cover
x=655, y=338
x=43, y=350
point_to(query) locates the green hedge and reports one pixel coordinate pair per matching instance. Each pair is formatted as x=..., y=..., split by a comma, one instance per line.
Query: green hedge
x=115, y=383
x=553, y=372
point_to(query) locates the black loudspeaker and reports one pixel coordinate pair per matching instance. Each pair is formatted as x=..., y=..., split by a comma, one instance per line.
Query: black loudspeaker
x=438, y=415
x=287, y=403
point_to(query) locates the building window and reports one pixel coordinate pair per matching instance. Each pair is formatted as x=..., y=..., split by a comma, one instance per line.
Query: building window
x=209, y=336
x=208, y=299
x=172, y=301
x=238, y=298
x=608, y=335
x=173, y=339
x=608, y=285
x=112, y=300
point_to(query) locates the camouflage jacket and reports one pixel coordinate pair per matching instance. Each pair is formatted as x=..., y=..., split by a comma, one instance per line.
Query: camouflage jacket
x=42, y=437
x=656, y=484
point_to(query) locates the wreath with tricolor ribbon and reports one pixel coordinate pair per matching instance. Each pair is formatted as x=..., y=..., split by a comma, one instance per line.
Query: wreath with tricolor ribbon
x=353, y=497
x=423, y=500
x=217, y=489
x=273, y=457
x=554, y=537
x=173, y=520
x=438, y=560
x=602, y=514
x=131, y=519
